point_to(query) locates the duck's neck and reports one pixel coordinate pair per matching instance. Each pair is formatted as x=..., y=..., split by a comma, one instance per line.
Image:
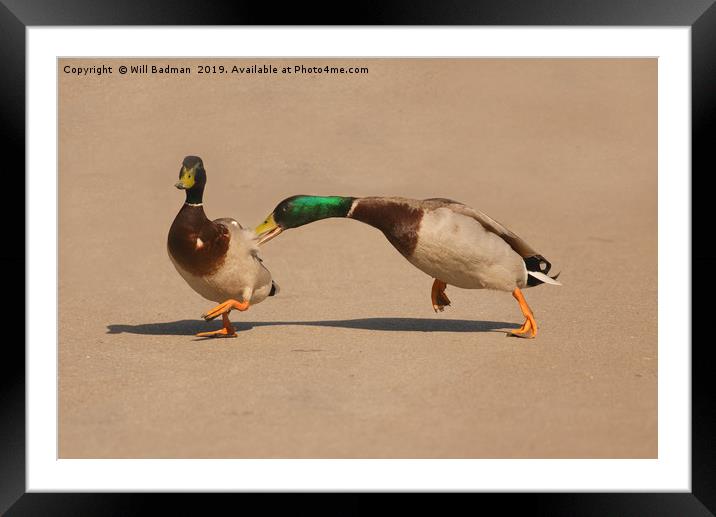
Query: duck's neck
x=308, y=209
x=191, y=216
x=195, y=196
x=387, y=214
x=399, y=219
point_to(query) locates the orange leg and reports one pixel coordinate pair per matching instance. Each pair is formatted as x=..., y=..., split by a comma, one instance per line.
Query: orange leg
x=529, y=328
x=225, y=308
x=438, y=296
x=227, y=331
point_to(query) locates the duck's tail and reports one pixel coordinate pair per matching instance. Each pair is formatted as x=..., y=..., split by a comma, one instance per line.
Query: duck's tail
x=537, y=269
x=274, y=289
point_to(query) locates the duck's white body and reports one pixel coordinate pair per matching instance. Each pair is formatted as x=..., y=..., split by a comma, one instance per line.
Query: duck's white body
x=453, y=242
x=458, y=250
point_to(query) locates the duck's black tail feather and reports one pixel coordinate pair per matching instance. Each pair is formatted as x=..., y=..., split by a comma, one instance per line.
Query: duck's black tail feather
x=537, y=269
x=274, y=289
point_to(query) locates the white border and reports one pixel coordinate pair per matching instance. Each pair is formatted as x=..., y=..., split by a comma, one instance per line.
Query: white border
x=670, y=472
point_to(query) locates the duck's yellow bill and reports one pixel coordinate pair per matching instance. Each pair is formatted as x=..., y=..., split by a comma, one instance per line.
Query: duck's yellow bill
x=267, y=230
x=186, y=180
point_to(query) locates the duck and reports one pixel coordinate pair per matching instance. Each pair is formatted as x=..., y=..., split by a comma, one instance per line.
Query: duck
x=219, y=259
x=453, y=243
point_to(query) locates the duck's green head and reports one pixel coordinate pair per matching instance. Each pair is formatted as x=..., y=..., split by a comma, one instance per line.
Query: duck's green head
x=296, y=211
x=192, y=178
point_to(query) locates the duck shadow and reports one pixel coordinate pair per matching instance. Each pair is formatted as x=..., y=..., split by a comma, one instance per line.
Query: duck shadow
x=191, y=327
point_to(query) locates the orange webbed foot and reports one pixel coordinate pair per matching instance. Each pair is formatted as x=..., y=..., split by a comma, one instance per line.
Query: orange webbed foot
x=222, y=332
x=227, y=330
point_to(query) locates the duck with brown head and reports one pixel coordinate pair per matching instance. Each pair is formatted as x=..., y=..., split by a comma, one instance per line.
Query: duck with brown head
x=218, y=259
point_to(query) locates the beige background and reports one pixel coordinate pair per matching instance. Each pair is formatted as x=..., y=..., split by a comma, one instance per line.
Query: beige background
x=350, y=360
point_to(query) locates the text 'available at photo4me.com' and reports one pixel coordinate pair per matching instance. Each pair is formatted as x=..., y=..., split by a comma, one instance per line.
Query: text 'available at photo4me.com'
x=212, y=69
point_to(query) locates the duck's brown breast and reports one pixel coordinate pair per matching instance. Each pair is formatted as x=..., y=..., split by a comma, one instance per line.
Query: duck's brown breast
x=198, y=245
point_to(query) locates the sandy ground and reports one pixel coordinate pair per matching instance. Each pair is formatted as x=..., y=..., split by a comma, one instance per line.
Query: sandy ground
x=349, y=360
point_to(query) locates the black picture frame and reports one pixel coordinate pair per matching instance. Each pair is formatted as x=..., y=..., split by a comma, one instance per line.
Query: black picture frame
x=17, y=15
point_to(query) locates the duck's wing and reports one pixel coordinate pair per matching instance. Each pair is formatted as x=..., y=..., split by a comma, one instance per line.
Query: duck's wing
x=487, y=222
x=242, y=237
x=536, y=264
x=228, y=222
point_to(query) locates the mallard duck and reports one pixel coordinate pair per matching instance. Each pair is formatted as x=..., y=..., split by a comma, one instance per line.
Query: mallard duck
x=453, y=243
x=218, y=259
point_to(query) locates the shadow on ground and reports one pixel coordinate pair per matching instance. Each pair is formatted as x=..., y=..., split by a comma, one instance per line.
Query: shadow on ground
x=191, y=327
